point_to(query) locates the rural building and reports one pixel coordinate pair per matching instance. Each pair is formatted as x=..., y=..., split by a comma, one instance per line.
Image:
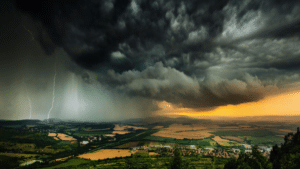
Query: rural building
x=192, y=147
x=246, y=146
x=83, y=143
x=235, y=150
x=266, y=149
x=210, y=149
x=262, y=147
x=248, y=151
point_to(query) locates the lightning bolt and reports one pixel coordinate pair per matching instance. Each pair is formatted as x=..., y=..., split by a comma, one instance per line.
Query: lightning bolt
x=53, y=94
x=29, y=106
x=29, y=32
x=28, y=98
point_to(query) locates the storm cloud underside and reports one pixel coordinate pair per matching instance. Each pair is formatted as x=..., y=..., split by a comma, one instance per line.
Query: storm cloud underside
x=195, y=54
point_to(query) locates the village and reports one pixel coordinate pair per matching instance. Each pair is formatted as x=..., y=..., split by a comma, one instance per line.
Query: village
x=193, y=150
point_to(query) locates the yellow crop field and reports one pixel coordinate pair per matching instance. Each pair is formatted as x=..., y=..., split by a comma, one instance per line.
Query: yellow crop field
x=180, y=131
x=121, y=132
x=153, y=153
x=65, y=137
x=51, y=134
x=221, y=141
x=106, y=153
x=217, y=139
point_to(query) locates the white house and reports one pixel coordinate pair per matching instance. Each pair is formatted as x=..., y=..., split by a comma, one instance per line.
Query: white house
x=248, y=151
x=246, y=146
x=210, y=149
x=84, y=143
x=235, y=150
x=193, y=147
x=267, y=149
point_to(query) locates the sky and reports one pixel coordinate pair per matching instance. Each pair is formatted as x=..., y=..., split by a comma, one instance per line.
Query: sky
x=121, y=59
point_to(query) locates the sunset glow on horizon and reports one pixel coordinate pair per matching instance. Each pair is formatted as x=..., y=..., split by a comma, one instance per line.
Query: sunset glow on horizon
x=286, y=104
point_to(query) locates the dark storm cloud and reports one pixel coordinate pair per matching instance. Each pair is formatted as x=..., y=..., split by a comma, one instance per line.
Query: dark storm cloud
x=90, y=31
x=198, y=54
x=282, y=30
x=165, y=83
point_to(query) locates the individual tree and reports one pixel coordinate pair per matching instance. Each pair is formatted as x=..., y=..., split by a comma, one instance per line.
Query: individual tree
x=256, y=154
x=177, y=162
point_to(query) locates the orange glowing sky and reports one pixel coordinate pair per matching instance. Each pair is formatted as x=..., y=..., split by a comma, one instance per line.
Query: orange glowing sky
x=286, y=104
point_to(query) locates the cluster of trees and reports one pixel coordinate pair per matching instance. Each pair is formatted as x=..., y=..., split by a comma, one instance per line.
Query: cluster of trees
x=287, y=156
x=20, y=136
x=8, y=162
x=248, y=161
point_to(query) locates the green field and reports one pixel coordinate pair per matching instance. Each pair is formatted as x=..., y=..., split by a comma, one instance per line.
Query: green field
x=265, y=140
x=92, y=133
x=202, y=142
x=71, y=163
x=257, y=137
x=252, y=133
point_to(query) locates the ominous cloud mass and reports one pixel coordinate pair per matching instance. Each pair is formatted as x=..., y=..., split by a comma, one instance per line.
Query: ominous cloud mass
x=195, y=54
